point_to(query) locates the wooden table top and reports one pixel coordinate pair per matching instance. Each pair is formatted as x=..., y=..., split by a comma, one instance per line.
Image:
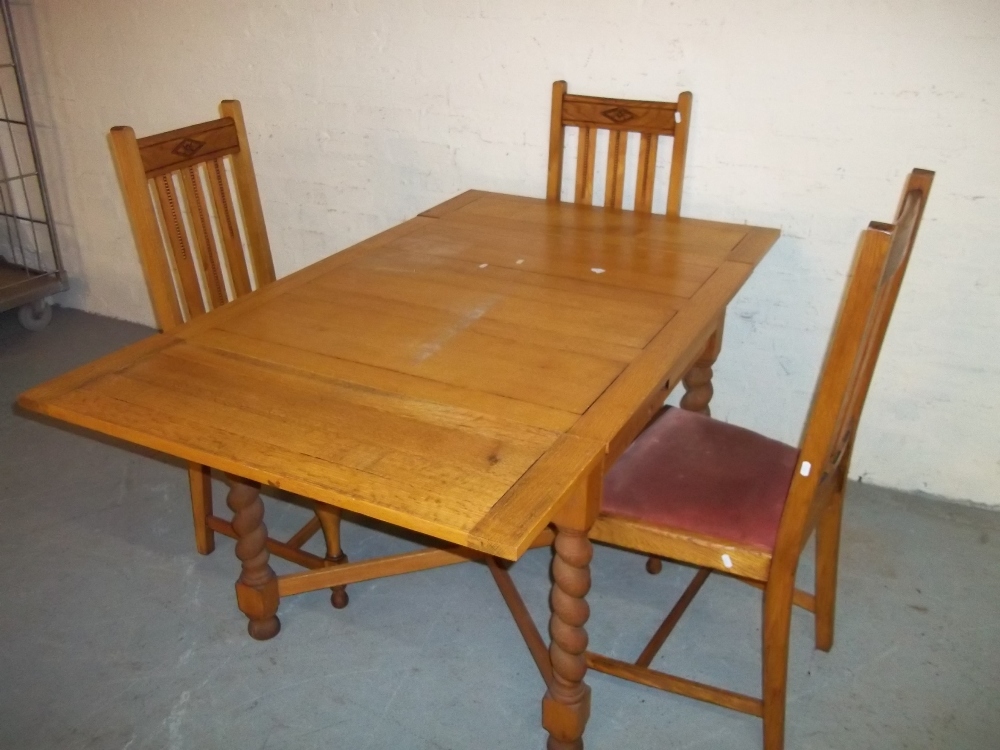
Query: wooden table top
x=456, y=375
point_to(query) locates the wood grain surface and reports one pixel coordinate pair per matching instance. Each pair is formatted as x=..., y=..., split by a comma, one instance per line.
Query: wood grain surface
x=461, y=375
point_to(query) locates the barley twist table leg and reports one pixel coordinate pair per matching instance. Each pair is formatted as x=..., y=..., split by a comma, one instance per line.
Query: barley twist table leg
x=698, y=388
x=566, y=707
x=257, y=587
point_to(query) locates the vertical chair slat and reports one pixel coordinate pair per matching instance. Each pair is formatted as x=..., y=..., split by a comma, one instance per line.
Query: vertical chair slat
x=585, y=155
x=646, y=172
x=204, y=238
x=614, y=184
x=229, y=230
x=246, y=184
x=179, y=246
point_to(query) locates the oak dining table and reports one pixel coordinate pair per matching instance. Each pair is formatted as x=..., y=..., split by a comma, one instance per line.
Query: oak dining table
x=468, y=375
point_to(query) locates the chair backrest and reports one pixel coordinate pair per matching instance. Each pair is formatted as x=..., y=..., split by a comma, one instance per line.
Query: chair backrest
x=209, y=238
x=828, y=438
x=619, y=117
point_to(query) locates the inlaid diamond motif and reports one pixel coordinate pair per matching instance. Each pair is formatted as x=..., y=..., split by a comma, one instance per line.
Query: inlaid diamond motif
x=188, y=147
x=618, y=115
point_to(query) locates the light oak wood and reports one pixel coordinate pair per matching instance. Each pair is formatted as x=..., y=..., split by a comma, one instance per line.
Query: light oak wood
x=566, y=706
x=322, y=575
x=522, y=618
x=210, y=393
x=673, y=684
x=176, y=166
x=428, y=379
x=200, y=481
x=257, y=587
x=815, y=497
x=672, y=618
x=184, y=264
x=619, y=117
x=258, y=245
x=696, y=549
x=800, y=598
x=195, y=272
x=586, y=155
x=50, y=391
x=698, y=388
x=304, y=534
x=827, y=555
x=678, y=344
x=177, y=149
x=284, y=550
x=329, y=518
x=201, y=230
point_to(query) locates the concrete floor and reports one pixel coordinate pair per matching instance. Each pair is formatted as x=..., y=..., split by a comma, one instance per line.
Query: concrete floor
x=118, y=635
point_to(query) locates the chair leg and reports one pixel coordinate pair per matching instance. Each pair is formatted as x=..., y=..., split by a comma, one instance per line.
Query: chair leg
x=200, y=479
x=698, y=392
x=827, y=555
x=777, y=623
x=329, y=519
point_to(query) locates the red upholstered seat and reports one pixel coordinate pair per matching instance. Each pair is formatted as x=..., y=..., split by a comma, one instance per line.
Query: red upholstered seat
x=691, y=472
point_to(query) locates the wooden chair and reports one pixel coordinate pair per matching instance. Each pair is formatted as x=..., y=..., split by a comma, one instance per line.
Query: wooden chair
x=725, y=499
x=651, y=120
x=208, y=211
x=619, y=117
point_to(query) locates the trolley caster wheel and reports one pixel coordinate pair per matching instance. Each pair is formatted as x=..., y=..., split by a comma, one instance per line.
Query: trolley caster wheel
x=339, y=598
x=35, y=315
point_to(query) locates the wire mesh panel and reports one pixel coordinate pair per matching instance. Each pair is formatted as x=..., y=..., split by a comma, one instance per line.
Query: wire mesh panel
x=30, y=265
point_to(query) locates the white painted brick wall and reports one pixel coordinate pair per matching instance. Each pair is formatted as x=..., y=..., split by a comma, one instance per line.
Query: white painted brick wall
x=807, y=116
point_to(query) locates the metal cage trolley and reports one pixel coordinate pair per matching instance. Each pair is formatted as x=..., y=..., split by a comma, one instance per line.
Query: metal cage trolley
x=31, y=267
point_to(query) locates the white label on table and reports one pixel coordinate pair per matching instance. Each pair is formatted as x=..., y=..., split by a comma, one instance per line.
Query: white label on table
x=727, y=561
x=805, y=469
x=597, y=270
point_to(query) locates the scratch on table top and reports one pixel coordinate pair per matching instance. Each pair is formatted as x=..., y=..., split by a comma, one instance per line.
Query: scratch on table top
x=429, y=348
